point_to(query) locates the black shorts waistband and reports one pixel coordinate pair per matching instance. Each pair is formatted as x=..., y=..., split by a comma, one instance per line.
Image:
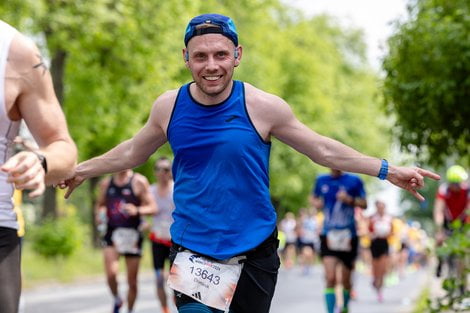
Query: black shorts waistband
x=264, y=249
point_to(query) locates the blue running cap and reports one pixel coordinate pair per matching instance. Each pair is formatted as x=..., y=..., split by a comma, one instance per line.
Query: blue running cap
x=222, y=25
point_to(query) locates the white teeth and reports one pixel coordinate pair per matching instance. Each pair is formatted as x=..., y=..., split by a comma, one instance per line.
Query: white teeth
x=211, y=77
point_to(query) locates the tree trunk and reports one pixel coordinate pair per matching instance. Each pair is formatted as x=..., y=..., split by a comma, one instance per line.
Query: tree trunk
x=93, y=182
x=49, y=209
x=57, y=72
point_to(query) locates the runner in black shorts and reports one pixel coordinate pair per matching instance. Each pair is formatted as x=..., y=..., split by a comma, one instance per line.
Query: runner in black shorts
x=308, y=238
x=123, y=199
x=380, y=228
x=288, y=225
x=338, y=194
x=162, y=192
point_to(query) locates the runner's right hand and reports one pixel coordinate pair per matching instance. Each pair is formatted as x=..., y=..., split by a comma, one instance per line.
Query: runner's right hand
x=71, y=184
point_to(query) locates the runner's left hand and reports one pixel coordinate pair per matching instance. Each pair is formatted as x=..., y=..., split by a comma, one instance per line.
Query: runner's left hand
x=25, y=171
x=410, y=178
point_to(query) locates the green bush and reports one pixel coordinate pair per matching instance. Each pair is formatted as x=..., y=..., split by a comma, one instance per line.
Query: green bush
x=455, y=285
x=57, y=238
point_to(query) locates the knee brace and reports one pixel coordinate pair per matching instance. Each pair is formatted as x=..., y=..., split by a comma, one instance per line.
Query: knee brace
x=160, y=278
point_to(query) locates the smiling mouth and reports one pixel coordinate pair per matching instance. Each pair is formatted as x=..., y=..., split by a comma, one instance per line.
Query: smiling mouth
x=212, y=78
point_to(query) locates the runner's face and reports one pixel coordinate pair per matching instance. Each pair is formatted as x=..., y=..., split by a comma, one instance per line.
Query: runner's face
x=336, y=173
x=211, y=62
x=163, y=170
x=454, y=187
x=380, y=207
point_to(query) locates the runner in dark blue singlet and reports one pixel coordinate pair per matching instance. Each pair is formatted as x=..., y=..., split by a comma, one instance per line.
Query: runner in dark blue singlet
x=338, y=194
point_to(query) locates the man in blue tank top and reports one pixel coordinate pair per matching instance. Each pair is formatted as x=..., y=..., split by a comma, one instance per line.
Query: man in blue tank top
x=220, y=130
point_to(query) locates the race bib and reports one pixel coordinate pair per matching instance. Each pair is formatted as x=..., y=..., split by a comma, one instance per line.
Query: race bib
x=210, y=282
x=339, y=240
x=126, y=240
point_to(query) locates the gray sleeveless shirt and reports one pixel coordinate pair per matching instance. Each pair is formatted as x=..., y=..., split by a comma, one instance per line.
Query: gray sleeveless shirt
x=8, y=132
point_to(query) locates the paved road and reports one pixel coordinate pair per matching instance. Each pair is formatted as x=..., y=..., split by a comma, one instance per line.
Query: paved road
x=304, y=294
x=295, y=293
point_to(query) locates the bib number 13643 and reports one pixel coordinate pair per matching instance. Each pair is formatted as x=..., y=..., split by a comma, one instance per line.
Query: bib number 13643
x=208, y=281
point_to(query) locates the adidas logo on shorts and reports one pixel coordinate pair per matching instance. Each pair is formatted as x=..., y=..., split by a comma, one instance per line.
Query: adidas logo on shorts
x=196, y=295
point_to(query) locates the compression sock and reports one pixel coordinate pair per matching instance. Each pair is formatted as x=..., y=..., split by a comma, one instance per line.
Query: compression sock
x=346, y=297
x=330, y=298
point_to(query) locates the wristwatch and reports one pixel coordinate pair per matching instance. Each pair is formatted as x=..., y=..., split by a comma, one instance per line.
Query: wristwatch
x=43, y=161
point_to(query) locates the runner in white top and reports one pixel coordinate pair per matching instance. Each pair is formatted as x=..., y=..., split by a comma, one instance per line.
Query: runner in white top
x=380, y=227
x=309, y=238
x=26, y=92
x=288, y=226
x=162, y=192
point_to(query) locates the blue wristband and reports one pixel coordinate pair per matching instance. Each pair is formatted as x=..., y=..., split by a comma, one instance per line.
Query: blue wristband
x=383, y=170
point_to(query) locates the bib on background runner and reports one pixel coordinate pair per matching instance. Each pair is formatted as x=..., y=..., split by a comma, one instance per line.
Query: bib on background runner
x=339, y=240
x=126, y=240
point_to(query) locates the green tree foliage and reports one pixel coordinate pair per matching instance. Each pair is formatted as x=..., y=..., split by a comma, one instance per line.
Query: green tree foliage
x=427, y=87
x=427, y=82
x=319, y=69
x=122, y=54
x=455, y=285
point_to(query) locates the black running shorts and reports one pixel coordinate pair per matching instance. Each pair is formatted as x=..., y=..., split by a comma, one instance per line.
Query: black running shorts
x=347, y=257
x=160, y=253
x=378, y=247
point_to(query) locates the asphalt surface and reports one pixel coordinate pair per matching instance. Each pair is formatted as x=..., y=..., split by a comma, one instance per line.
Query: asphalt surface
x=296, y=292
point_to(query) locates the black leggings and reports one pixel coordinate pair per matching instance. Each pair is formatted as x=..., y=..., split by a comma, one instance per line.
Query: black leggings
x=10, y=275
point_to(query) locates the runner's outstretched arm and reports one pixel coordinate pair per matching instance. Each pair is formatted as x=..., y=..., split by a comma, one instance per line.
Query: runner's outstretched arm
x=333, y=154
x=130, y=153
